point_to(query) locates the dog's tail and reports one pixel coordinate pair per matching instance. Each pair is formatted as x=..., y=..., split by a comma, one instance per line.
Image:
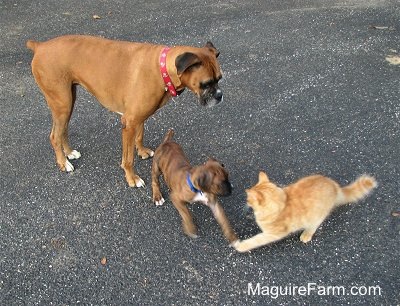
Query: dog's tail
x=31, y=44
x=357, y=190
x=169, y=135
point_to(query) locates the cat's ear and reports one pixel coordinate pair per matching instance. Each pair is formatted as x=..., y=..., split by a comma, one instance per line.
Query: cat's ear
x=263, y=177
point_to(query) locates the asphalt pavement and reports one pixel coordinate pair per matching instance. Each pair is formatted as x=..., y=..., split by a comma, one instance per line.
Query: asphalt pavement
x=310, y=87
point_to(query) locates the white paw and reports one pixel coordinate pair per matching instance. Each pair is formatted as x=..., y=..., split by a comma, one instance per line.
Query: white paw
x=151, y=153
x=235, y=243
x=161, y=202
x=74, y=154
x=194, y=236
x=68, y=166
x=140, y=183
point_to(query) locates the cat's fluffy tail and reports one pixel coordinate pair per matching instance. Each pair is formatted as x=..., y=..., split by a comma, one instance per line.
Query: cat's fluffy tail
x=357, y=190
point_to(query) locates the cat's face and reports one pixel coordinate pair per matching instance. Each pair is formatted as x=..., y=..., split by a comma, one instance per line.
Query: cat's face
x=265, y=194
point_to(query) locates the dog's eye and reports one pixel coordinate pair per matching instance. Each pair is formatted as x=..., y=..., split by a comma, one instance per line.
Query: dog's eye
x=223, y=166
x=205, y=85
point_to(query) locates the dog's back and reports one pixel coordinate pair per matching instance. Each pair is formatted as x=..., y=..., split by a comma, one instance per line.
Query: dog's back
x=171, y=151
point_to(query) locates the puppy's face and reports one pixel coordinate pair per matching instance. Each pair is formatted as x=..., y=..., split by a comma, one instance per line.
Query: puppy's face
x=212, y=177
x=200, y=72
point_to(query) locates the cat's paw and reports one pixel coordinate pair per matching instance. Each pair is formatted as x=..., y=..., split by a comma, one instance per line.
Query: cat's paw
x=306, y=237
x=239, y=246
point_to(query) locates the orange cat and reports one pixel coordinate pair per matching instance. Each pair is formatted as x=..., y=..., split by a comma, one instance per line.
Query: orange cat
x=303, y=205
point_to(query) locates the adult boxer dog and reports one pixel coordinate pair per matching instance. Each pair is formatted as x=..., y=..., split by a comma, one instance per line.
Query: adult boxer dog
x=189, y=184
x=133, y=79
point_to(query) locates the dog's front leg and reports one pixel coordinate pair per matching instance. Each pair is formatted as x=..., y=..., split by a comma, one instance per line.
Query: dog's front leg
x=223, y=222
x=187, y=221
x=129, y=130
x=143, y=152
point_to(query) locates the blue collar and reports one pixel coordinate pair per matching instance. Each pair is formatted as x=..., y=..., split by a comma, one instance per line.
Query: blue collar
x=191, y=186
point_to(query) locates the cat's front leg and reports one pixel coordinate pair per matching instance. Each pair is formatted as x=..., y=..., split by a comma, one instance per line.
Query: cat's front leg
x=258, y=241
x=251, y=243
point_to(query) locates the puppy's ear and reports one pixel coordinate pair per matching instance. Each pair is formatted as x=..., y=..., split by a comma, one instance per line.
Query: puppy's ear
x=203, y=181
x=211, y=47
x=210, y=159
x=185, y=61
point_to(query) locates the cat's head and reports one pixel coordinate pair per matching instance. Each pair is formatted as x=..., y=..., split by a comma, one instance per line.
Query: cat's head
x=265, y=195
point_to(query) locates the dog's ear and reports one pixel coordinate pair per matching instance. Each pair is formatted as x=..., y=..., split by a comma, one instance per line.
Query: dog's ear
x=210, y=159
x=204, y=180
x=211, y=47
x=185, y=61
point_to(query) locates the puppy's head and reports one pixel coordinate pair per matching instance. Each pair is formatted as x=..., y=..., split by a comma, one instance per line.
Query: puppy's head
x=212, y=177
x=198, y=69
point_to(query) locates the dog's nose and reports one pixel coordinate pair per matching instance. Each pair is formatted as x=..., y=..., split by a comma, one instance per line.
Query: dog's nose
x=226, y=188
x=218, y=95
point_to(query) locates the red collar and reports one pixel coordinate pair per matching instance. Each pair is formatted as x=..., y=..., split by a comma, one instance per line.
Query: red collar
x=164, y=73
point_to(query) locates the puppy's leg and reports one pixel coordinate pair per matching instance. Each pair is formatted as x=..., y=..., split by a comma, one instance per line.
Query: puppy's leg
x=257, y=241
x=155, y=183
x=129, y=129
x=143, y=152
x=187, y=221
x=223, y=222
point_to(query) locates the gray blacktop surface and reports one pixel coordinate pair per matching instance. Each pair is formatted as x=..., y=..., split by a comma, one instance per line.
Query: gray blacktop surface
x=309, y=88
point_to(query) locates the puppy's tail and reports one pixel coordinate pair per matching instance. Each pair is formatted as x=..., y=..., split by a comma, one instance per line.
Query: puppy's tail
x=169, y=135
x=357, y=190
x=31, y=44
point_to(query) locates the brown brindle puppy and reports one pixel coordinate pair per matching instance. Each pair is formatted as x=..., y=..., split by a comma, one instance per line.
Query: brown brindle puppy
x=132, y=79
x=189, y=184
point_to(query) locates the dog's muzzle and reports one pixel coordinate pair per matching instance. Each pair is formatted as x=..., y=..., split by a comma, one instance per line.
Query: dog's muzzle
x=211, y=97
x=225, y=188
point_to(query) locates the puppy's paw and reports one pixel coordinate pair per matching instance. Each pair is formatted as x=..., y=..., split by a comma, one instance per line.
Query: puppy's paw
x=74, y=154
x=191, y=231
x=159, y=202
x=193, y=236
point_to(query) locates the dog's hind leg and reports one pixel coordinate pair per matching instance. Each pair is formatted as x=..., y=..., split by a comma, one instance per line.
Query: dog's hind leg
x=155, y=183
x=69, y=152
x=60, y=100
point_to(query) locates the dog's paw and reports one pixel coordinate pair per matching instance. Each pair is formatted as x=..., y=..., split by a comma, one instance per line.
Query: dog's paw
x=145, y=153
x=159, y=202
x=139, y=182
x=68, y=166
x=193, y=236
x=74, y=154
x=136, y=182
